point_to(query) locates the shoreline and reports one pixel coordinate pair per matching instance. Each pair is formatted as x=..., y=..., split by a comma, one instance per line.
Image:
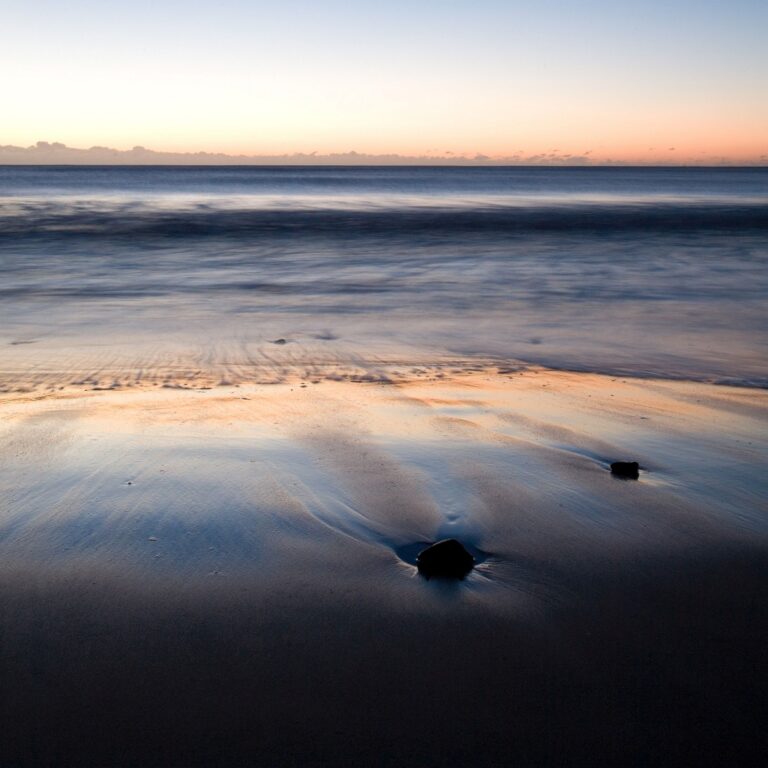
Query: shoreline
x=382, y=371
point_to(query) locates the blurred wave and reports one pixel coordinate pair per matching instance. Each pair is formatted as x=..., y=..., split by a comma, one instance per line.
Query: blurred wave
x=312, y=217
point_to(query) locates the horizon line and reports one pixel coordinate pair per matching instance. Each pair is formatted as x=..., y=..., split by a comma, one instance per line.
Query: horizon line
x=44, y=153
x=584, y=166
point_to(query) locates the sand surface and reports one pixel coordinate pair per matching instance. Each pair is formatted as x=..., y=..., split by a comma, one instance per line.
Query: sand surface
x=224, y=575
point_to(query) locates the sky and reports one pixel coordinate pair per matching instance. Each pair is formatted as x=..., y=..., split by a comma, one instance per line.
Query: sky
x=647, y=81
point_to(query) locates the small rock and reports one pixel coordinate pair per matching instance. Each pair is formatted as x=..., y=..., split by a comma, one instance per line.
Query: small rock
x=279, y=341
x=446, y=559
x=626, y=469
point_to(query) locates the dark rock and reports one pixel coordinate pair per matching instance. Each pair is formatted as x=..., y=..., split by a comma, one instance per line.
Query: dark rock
x=626, y=469
x=446, y=559
x=279, y=341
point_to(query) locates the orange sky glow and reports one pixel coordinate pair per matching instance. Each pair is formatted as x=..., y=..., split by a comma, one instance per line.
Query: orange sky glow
x=678, y=83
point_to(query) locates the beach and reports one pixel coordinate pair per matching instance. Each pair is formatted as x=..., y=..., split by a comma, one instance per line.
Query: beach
x=236, y=406
x=225, y=575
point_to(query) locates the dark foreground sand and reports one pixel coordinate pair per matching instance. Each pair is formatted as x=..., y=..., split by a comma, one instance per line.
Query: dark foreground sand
x=225, y=577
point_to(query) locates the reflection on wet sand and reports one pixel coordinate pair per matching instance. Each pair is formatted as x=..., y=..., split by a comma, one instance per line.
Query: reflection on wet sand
x=198, y=576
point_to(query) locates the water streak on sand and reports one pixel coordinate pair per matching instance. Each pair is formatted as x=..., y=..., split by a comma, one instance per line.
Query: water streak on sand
x=516, y=464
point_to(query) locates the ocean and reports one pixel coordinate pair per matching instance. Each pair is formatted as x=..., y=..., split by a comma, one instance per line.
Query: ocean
x=113, y=275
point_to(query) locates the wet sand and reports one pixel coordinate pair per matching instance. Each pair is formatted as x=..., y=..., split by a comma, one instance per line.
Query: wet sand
x=206, y=574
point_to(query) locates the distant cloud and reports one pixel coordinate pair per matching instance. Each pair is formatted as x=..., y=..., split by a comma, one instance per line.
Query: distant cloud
x=56, y=153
